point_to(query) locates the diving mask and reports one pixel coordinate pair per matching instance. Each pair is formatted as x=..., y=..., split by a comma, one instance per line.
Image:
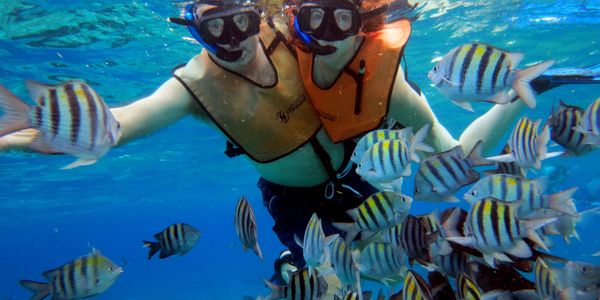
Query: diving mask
x=221, y=24
x=329, y=20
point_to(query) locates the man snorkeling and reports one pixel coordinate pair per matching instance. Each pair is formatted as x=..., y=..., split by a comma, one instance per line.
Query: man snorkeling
x=247, y=84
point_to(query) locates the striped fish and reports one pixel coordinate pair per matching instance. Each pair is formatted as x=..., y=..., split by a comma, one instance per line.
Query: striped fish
x=83, y=277
x=562, y=129
x=415, y=238
x=382, y=262
x=449, y=264
x=509, y=168
x=466, y=288
x=373, y=137
x=389, y=160
x=71, y=117
x=314, y=245
x=590, y=124
x=415, y=287
x=178, y=238
x=545, y=281
x=245, y=226
x=479, y=72
x=528, y=149
x=494, y=229
x=303, y=285
x=343, y=263
x=379, y=211
x=512, y=188
x=442, y=174
x=392, y=235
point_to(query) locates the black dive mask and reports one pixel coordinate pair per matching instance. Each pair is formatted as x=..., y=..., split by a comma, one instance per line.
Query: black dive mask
x=329, y=20
x=224, y=25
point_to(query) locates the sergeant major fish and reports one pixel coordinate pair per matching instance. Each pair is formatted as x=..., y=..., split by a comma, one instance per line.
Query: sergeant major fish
x=590, y=124
x=314, y=245
x=442, y=174
x=83, y=277
x=382, y=262
x=479, y=72
x=512, y=188
x=344, y=264
x=245, y=226
x=303, y=285
x=492, y=227
x=379, y=211
x=178, y=238
x=71, y=117
x=372, y=137
x=389, y=160
x=528, y=149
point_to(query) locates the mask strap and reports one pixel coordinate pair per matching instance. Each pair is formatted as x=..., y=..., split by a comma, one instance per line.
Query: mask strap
x=375, y=12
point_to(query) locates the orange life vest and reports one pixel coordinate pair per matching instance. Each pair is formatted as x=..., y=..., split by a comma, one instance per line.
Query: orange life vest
x=267, y=122
x=358, y=100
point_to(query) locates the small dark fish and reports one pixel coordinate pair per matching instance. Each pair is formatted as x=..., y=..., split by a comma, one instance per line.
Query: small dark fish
x=562, y=128
x=504, y=278
x=245, y=226
x=83, y=277
x=71, y=117
x=415, y=239
x=178, y=238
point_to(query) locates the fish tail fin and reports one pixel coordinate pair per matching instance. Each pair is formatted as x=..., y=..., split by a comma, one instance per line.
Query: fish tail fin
x=257, y=251
x=416, y=143
x=154, y=248
x=16, y=113
x=542, y=141
x=563, y=202
x=475, y=158
x=532, y=225
x=522, y=79
x=349, y=228
x=40, y=289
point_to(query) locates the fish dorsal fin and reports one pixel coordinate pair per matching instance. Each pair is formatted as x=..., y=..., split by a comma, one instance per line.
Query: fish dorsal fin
x=515, y=59
x=50, y=274
x=95, y=251
x=37, y=90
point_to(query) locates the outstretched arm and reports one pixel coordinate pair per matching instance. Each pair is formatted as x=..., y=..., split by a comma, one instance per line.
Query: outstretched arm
x=491, y=126
x=411, y=109
x=168, y=104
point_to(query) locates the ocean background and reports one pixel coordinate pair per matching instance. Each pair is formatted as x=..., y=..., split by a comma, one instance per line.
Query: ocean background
x=126, y=49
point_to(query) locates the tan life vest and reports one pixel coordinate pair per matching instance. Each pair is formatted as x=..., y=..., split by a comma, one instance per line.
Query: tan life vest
x=358, y=100
x=267, y=122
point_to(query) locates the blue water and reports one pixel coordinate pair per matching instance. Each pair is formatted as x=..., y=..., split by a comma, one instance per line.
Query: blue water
x=125, y=50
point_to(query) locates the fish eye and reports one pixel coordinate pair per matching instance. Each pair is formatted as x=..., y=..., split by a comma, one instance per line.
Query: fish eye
x=118, y=125
x=417, y=190
x=473, y=193
x=110, y=269
x=359, y=166
x=584, y=270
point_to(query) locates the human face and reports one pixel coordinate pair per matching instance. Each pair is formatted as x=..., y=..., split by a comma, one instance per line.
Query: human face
x=249, y=48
